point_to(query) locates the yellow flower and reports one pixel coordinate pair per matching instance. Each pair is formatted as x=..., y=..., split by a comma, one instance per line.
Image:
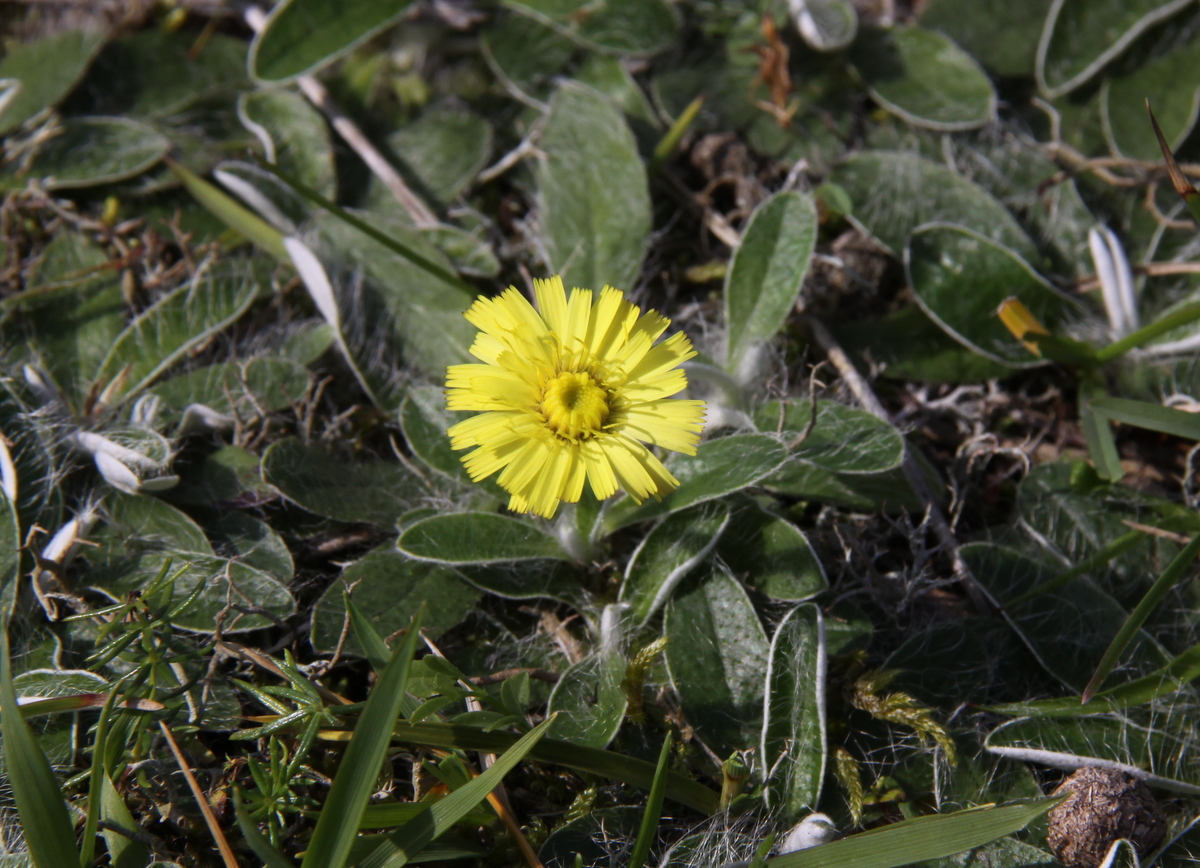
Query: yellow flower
x=571, y=393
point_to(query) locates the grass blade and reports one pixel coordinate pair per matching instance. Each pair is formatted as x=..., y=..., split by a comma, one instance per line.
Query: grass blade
x=372, y=644
x=369, y=230
x=1163, y=682
x=1171, y=575
x=49, y=832
x=1145, y=334
x=918, y=840
x=400, y=846
x=650, y=819
x=1153, y=417
x=355, y=780
x=1101, y=444
x=247, y=224
x=607, y=764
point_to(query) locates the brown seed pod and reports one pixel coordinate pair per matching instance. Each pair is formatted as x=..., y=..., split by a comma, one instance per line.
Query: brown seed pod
x=1105, y=805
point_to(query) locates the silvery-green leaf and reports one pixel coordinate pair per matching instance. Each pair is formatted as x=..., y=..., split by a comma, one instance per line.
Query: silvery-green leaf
x=895, y=192
x=185, y=318
x=1081, y=37
x=924, y=78
x=293, y=135
x=528, y=580
x=31, y=450
x=92, y=151
x=526, y=52
x=770, y=554
x=1007, y=50
x=589, y=697
x=227, y=477
x=1068, y=629
x=593, y=205
x=1153, y=754
x=376, y=491
x=844, y=439
x=717, y=654
x=388, y=588
x=720, y=467
x=1170, y=83
x=263, y=193
x=618, y=26
x=960, y=278
x=46, y=69
x=301, y=36
x=765, y=276
x=477, y=538
x=235, y=534
x=668, y=554
x=826, y=25
x=793, y=735
x=442, y=151
x=611, y=77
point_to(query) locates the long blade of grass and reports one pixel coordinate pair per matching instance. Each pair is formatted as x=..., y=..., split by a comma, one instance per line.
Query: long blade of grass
x=1145, y=334
x=246, y=223
x=1101, y=444
x=369, y=230
x=402, y=845
x=1171, y=575
x=369, y=640
x=1117, y=547
x=1153, y=417
x=635, y=772
x=1163, y=682
x=255, y=840
x=45, y=821
x=1181, y=184
x=355, y=780
x=918, y=840
x=653, y=812
x=95, y=783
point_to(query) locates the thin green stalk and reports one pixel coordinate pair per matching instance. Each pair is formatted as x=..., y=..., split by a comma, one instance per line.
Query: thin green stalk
x=95, y=782
x=1171, y=575
x=670, y=141
x=1145, y=334
x=653, y=812
x=1117, y=547
x=369, y=230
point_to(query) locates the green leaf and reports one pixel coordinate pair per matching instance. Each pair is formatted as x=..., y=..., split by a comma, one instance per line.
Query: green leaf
x=227, y=477
x=374, y=491
x=917, y=840
x=1066, y=629
x=1082, y=36
x=301, y=36
x=243, y=389
x=442, y=151
x=47, y=69
x=606, y=764
x=477, y=538
x=924, y=78
x=593, y=202
x=526, y=51
x=123, y=852
x=94, y=151
x=443, y=814
x=1153, y=417
x=252, y=542
x=341, y=814
x=827, y=25
x=721, y=467
x=668, y=554
x=1108, y=741
x=248, y=225
x=255, y=840
x=1133, y=625
x=895, y=192
x=183, y=319
x=765, y=276
x=424, y=420
x=844, y=439
x=793, y=734
x=1007, y=50
x=960, y=279
x=589, y=697
x=530, y=579
x=617, y=26
x=717, y=654
x=297, y=135
x=771, y=555
x=1167, y=79
x=31, y=447
x=387, y=588
x=46, y=824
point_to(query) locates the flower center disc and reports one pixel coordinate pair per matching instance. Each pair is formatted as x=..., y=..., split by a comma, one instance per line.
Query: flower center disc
x=574, y=405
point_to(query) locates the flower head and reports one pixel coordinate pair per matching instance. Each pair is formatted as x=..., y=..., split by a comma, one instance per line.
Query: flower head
x=571, y=392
